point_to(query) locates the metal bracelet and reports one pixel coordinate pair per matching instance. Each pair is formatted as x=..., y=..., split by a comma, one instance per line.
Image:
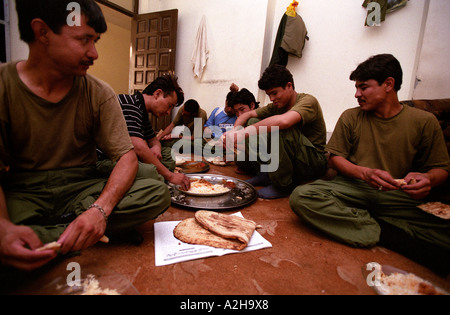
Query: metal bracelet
x=100, y=209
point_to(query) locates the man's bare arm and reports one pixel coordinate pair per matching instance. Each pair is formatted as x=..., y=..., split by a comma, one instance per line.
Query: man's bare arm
x=146, y=155
x=282, y=122
x=89, y=227
x=376, y=178
x=242, y=119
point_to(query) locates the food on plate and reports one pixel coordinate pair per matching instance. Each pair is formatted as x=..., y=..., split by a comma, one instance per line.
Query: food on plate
x=204, y=187
x=90, y=286
x=228, y=184
x=406, y=284
x=438, y=209
x=179, y=160
x=191, y=167
x=55, y=246
x=216, y=230
x=217, y=160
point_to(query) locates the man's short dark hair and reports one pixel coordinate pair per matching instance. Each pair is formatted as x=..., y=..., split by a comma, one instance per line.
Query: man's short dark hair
x=168, y=84
x=191, y=106
x=379, y=68
x=245, y=97
x=54, y=13
x=275, y=76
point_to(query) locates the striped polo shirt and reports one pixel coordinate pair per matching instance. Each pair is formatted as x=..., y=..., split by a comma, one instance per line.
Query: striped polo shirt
x=136, y=116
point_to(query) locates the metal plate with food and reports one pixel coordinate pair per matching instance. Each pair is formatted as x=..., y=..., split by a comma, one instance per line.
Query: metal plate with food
x=90, y=284
x=388, y=280
x=239, y=194
x=193, y=167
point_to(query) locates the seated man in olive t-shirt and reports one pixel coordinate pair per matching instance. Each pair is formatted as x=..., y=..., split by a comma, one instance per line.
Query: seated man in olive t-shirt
x=373, y=145
x=193, y=118
x=301, y=138
x=52, y=117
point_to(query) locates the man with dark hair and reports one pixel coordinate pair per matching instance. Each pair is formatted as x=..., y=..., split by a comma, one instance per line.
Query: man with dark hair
x=302, y=134
x=379, y=68
x=222, y=118
x=185, y=117
x=243, y=102
x=168, y=85
x=219, y=122
x=373, y=145
x=159, y=98
x=53, y=116
x=55, y=13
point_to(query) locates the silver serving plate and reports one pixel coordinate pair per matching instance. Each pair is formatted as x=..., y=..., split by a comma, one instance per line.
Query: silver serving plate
x=241, y=195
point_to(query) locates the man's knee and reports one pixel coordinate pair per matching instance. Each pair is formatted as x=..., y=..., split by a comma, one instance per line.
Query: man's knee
x=298, y=199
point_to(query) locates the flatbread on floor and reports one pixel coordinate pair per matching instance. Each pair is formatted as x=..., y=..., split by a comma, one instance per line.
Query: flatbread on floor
x=227, y=226
x=191, y=232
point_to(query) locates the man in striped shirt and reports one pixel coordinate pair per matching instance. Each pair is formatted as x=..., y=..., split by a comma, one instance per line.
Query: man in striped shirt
x=159, y=98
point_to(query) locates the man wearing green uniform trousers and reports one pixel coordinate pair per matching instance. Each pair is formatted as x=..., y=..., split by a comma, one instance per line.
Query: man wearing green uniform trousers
x=301, y=140
x=158, y=98
x=193, y=119
x=53, y=116
x=372, y=145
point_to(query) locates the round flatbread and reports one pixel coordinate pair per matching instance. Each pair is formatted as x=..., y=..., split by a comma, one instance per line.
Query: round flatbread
x=226, y=226
x=191, y=232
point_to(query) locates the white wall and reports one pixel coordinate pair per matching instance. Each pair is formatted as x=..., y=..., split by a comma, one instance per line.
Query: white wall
x=434, y=60
x=19, y=49
x=235, y=31
x=339, y=41
x=242, y=34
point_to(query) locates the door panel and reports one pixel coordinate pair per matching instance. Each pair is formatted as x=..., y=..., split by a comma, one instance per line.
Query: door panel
x=153, y=45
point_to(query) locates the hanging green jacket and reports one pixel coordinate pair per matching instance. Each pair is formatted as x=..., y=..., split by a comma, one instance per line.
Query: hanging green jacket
x=291, y=37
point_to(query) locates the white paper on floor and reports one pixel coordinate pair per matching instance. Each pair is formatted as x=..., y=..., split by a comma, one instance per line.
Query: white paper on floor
x=170, y=250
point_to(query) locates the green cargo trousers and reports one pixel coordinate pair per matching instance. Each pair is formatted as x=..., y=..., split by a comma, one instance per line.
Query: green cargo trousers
x=351, y=212
x=48, y=201
x=298, y=158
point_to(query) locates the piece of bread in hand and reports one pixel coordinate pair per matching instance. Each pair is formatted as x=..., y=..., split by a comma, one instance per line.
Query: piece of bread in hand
x=402, y=182
x=55, y=246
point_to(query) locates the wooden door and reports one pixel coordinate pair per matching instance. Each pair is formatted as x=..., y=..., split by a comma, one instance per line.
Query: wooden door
x=153, y=44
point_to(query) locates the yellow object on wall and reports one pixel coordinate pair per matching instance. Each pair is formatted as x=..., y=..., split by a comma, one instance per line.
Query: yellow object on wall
x=291, y=9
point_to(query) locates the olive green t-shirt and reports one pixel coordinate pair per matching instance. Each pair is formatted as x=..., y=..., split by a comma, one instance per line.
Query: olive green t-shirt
x=312, y=124
x=36, y=134
x=411, y=141
x=188, y=121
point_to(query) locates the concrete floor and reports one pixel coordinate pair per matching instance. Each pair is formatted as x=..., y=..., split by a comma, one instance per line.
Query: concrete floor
x=301, y=261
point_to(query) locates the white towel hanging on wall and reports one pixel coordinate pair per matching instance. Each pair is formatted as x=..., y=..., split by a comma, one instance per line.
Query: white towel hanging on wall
x=200, y=54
